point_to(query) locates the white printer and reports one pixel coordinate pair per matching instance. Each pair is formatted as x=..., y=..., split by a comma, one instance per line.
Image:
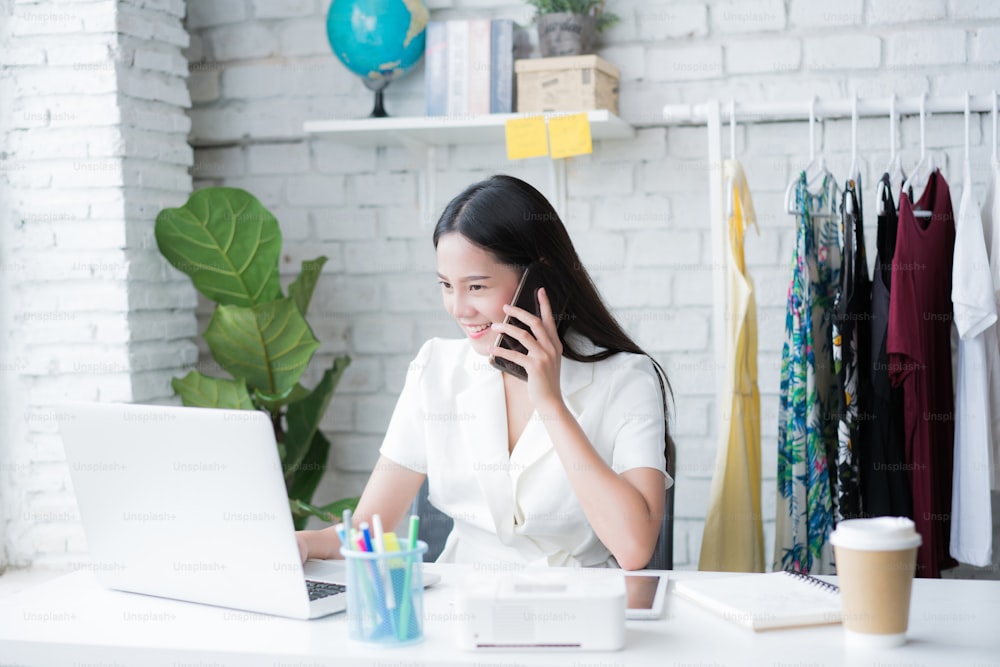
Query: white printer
x=543, y=609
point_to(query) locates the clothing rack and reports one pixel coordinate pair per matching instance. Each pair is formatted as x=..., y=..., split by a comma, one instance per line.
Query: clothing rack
x=711, y=114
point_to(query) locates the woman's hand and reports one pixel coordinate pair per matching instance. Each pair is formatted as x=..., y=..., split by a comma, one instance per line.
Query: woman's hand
x=544, y=357
x=300, y=539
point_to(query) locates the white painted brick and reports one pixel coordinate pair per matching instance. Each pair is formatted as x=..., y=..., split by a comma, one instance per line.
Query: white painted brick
x=315, y=190
x=278, y=158
x=662, y=21
x=66, y=80
x=303, y=38
x=986, y=45
x=363, y=376
x=295, y=225
x=588, y=178
x=152, y=116
x=204, y=86
x=630, y=61
x=243, y=42
x=918, y=48
x=168, y=61
x=377, y=257
x=662, y=248
x=24, y=57
x=390, y=188
x=691, y=419
x=377, y=335
x=748, y=16
x=601, y=251
x=171, y=33
x=975, y=9
x=684, y=63
x=352, y=224
x=848, y=52
x=156, y=87
x=694, y=292
x=682, y=331
x=648, y=144
x=625, y=213
x=901, y=11
x=218, y=162
x=634, y=288
x=769, y=56
x=695, y=373
x=28, y=20
x=282, y=9
x=151, y=325
x=675, y=176
x=332, y=157
x=404, y=222
x=412, y=296
x=83, y=51
x=355, y=453
x=210, y=14
x=811, y=14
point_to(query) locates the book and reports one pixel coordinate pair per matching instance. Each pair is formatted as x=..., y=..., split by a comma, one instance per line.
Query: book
x=766, y=601
x=502, y=66
x=479, y=67
x=458, y=67
x=436, y=68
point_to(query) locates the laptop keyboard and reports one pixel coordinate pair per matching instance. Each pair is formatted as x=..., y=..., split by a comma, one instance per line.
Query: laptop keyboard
x=322, y=589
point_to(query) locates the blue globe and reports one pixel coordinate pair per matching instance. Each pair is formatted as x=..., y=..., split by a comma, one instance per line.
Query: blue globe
x=379, y=40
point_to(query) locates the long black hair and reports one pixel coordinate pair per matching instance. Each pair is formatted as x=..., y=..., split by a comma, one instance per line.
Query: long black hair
x=516, y=223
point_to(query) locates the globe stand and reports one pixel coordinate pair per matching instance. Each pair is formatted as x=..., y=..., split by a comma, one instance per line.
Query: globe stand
x=377, y=85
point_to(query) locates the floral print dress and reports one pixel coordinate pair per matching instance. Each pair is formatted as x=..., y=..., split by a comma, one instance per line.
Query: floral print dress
x=807, y=418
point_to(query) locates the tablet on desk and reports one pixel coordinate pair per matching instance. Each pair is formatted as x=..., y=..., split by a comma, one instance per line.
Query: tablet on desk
x=644, y=595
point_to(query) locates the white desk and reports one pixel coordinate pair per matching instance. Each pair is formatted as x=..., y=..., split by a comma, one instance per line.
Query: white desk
x=73, y=621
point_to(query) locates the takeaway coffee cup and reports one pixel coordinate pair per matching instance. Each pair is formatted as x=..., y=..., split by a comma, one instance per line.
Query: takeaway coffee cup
x=875, y=559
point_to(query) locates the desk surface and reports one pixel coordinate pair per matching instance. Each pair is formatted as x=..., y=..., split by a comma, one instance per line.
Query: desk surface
x=73, y=620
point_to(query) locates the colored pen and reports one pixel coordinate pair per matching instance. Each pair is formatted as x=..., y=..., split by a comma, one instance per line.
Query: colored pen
x=390, y=595
x=404, y=614
x=366, y=535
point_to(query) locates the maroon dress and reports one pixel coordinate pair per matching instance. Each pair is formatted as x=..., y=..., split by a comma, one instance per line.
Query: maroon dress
x=919, y=347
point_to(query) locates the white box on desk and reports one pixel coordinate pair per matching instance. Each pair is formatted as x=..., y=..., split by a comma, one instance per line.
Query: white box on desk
x=543, y=609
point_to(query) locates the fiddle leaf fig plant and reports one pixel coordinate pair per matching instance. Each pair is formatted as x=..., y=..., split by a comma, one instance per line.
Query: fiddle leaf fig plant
x=229, y=244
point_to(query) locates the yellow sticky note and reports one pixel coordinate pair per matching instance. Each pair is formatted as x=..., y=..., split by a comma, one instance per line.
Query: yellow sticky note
x=570, y=135
x=526, y=138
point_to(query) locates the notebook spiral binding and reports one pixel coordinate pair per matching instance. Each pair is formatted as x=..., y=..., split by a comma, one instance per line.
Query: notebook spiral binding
x=813, y=581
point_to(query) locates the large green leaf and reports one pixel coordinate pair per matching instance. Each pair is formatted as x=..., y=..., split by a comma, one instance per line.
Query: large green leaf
x=273, y=403
x=332, y=512
x=303, y=417
x=201, y=391
x=269, y=345
x=301, y=290
x=227, y=242
x=301, y=479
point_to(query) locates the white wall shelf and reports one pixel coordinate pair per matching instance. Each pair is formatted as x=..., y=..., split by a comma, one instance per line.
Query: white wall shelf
x=424, y=134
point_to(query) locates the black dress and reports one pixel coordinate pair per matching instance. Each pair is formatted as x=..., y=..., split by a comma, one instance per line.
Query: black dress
x=885, y=489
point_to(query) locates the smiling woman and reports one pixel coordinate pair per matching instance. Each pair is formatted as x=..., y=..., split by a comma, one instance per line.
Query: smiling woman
x=553, y=469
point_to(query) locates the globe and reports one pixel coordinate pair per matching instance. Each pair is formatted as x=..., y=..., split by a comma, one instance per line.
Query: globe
x=379, y=40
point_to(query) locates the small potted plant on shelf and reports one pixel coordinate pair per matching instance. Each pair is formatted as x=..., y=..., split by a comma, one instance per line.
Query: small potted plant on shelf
x=570, y=27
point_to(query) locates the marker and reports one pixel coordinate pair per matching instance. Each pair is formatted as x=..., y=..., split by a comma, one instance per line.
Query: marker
x=390, y=595
x=404, y=614
x=366, y=535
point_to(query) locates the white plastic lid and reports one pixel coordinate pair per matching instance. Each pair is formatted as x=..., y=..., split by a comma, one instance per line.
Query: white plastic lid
x=882, y=533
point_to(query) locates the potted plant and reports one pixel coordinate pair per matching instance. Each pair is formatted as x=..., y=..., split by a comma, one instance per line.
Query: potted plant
x=228, y=243
x=569, y=27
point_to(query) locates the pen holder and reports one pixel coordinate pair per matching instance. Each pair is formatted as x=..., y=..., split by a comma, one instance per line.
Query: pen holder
x=385, y=595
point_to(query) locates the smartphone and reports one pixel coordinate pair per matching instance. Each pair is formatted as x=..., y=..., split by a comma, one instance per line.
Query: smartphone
x=526, y=297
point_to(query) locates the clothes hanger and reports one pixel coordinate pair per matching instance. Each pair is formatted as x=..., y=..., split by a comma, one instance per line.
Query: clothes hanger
x=816, y=169
x=914, y=185
x=895, y=166
x=854, y=173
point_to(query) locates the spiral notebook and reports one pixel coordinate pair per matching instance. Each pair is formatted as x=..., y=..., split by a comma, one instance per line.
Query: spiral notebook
x=766, y=601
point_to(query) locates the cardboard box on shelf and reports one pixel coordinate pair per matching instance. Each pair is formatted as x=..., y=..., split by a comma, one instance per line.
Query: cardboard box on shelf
x=568, y=83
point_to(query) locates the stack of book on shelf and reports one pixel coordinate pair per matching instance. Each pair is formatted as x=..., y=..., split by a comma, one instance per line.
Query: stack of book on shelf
x=469, y=67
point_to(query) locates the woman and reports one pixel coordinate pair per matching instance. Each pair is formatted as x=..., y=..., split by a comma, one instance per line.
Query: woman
x=565, y=468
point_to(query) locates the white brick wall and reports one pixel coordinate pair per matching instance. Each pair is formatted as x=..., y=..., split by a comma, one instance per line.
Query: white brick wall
x=95, y=144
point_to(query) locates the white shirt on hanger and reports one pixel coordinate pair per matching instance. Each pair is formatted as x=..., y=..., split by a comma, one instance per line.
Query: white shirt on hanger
x=991, y=232
x=975, y=318
x=513, y=509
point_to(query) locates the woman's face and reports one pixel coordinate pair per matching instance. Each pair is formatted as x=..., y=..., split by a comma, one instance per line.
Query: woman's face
x=475, y=287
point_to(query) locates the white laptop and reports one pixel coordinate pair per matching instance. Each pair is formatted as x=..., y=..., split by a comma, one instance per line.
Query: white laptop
x=190, y=504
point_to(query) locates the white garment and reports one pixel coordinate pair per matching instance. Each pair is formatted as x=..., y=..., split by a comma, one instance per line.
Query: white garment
x=991, y=232
x=517, y=509
x=975, y=317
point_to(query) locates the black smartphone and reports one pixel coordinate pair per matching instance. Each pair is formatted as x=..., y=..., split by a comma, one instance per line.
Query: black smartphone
x=526, y=298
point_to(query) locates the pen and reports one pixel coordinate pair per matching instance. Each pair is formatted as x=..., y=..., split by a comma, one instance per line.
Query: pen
x=366, y=535
x=390, y=595
x=404, y=614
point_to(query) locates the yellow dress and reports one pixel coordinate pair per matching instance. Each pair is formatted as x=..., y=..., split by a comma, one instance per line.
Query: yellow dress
x=733, y=540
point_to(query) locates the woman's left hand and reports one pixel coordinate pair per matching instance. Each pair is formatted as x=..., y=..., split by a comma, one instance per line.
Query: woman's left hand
x=542, y=362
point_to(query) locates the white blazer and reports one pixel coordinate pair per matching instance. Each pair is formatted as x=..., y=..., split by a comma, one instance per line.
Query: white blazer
x=517, y=509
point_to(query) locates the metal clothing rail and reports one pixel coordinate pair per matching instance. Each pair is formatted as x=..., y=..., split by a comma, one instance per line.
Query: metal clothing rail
x=711, y=115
